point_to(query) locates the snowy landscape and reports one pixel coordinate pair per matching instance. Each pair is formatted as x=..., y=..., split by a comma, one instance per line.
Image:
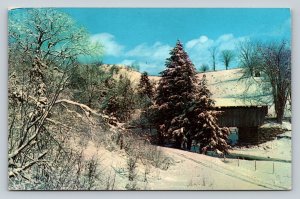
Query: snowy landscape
x=198, y=114
x=194, y=171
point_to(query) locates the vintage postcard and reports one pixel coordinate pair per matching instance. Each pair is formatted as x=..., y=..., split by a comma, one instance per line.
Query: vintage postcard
x=149, y=99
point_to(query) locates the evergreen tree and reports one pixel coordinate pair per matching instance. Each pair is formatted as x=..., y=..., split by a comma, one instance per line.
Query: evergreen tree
x=204, y=95
x=174, y=96
x=120, y=101
x=204, y=122
x=145, y=93
x=145, y=89
x=185, y=111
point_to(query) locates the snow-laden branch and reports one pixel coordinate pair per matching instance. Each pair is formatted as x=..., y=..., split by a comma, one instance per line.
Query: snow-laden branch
x=17, y=171
x=88, y=111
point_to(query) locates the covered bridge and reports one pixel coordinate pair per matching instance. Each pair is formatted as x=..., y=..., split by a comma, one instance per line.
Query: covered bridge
x=246, y=118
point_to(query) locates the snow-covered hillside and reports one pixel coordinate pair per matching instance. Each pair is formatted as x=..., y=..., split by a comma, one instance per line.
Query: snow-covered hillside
x=230, y=89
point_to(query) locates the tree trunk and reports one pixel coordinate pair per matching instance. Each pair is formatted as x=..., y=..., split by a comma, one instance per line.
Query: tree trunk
x=178, y=143
x=189, y=144
x=161, y=140
x=279, y=114
x=279, y=108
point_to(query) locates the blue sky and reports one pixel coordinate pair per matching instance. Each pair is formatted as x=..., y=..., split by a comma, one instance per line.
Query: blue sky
x=145, y=36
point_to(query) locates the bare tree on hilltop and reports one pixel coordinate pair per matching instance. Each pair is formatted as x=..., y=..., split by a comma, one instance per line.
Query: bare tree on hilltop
x=213, y=54
x=248, y=58
x=227, y=57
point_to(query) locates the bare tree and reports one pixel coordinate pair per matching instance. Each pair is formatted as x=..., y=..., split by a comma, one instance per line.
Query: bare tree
x=227, y=57
x=44, y=47
x=213, y=53
x=276, y=67
x=273, y=61
x=249, y=58
x=204, y=68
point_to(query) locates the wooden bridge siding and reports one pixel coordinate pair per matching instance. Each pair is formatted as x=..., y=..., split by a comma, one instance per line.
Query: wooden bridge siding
x=242, y=116
x=248, y=135
x=246, y=119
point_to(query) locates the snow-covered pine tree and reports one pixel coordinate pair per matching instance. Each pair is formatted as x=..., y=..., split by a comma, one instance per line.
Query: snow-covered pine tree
x=145, y=88
x=145, y=93
x=174, y=97
x=206, y=130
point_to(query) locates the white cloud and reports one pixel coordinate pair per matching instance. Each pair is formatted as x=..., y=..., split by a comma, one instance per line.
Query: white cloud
x=157, y=51
x=229, y=42
x=111, y=47
x=150, y=58
x=127, y=62
x=225, y=37
x=199, y=49
x=200, y=41
x=153, y=67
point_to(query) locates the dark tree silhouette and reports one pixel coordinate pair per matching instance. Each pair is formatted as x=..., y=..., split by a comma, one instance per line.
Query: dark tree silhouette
x=174, y=95
x=213, y=53
x=120, y=100
x=249, y=58
x=145, y=93
x=145, y=88
x=227, y=57
x=272, y=62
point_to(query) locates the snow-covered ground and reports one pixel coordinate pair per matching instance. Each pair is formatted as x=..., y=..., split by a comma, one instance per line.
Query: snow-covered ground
x=193, y=171
x=228, y=174
x=279, y=149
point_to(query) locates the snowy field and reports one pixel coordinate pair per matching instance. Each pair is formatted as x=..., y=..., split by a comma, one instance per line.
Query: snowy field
x=193, y=171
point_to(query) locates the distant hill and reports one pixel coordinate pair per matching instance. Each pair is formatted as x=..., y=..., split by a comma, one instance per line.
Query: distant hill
x=229, y=89
x=227, y=86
